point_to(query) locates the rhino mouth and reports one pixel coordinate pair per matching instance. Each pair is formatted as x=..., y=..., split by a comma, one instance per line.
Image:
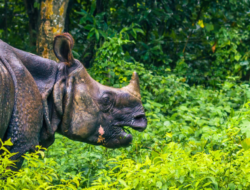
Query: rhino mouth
x=122, y=136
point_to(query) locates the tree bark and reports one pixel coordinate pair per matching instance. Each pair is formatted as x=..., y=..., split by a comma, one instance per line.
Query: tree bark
x=50, y=23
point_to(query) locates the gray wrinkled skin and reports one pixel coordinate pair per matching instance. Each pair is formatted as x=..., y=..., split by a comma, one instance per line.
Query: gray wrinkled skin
x=39, y=97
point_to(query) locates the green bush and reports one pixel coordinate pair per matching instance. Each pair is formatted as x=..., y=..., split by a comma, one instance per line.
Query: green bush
x=177, y=168
x=35, y=174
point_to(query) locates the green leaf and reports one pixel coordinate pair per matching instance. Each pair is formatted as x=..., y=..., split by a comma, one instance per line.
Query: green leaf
x=209, y=27
x=81, y=13
x=246, y=143
x=122, y=182
x=159, y=184
x=231, y=186
x=97, y=34
x=237, y=57
x=90, y=35
x=103, y=34
x=167, y=123
x=8, y=143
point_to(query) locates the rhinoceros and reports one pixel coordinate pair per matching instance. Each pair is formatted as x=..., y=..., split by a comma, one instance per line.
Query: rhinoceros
x=39, y=97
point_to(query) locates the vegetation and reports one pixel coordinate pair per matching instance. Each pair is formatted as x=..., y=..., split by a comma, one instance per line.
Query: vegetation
x=192, y=59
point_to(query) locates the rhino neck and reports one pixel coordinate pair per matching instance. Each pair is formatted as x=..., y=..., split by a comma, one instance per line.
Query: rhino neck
x=55, y=103
x=50, y=78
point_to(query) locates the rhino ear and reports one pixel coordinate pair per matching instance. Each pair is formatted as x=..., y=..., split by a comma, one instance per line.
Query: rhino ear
x=63, y=45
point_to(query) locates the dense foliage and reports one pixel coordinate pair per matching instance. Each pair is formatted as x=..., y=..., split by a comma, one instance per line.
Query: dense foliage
x=196, y=138
x=203, y=41
x=192, y=59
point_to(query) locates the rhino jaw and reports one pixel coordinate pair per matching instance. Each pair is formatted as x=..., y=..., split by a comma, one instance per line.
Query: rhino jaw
x=123, y=139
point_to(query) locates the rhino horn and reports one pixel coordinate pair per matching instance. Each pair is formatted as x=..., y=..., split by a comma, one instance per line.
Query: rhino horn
x=133, y=87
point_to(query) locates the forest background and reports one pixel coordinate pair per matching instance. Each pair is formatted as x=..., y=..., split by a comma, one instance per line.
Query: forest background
x=192, y=57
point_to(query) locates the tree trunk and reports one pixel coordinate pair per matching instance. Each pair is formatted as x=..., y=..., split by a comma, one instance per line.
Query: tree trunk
x=50, y=23
x=6, y=19
x=67, y=20
x=33, y=17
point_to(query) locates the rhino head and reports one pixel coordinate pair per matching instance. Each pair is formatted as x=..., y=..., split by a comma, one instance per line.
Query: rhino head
x=89, y=111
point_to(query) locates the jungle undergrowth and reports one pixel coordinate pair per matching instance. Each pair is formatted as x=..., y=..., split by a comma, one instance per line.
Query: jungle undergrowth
x=197, y=137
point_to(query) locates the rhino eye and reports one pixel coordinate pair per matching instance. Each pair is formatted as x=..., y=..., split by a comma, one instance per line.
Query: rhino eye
x=106, y=101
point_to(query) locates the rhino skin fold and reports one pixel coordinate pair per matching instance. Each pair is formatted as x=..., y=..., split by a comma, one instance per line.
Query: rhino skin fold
x=39, y=97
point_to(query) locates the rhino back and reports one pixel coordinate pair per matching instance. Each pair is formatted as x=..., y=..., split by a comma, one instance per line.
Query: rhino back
x=43, y=70
x=6, y=99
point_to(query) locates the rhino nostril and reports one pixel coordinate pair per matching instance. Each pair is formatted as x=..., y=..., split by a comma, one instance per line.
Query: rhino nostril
x=139, y=122
x=139, y=117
